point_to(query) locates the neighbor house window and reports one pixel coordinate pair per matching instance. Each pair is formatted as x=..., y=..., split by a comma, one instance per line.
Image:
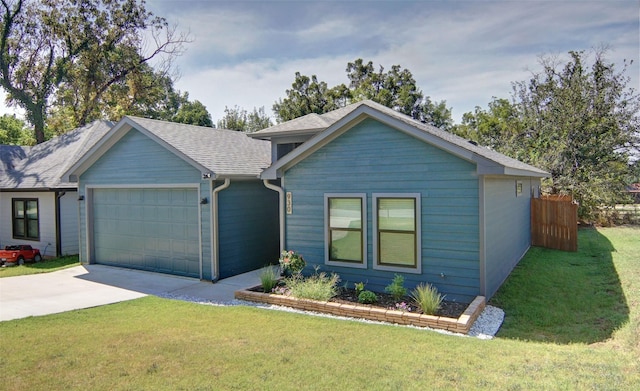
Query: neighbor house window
x=25, y=219
x=397, y=232
x=345, y=229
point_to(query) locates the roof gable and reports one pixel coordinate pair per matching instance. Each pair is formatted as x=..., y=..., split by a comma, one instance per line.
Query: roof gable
x=215, y=152
x=488, y=161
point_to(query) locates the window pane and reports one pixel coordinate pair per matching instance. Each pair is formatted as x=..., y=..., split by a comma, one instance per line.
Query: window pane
x=396, y=214
x=18, y=209
x=397, y=249
x=345, y=213
x=18, y=228
x=32, y=209
x=346, y=245
x=32, y=229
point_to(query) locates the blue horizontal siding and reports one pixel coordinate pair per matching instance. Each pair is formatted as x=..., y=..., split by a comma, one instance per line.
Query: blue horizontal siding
x=374, y=158
x=137, y=159
x=248, y=221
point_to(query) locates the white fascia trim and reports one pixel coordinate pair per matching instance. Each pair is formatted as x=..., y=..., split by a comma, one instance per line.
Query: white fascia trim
x=355, y=265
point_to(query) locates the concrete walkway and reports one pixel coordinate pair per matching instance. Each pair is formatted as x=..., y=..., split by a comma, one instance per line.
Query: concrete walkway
x=94, y=285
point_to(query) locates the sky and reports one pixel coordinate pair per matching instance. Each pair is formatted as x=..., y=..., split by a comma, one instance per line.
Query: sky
x=246, y=53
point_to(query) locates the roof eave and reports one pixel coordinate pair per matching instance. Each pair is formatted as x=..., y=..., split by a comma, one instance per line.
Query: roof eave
x=285, y=133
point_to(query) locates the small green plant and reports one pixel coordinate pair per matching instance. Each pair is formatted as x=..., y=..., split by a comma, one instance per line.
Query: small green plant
x=427, y=298
x=291, y=262
x=367, y=297
x=359, y=287
x=319, y=286
x=268, y=279
x=396, y=288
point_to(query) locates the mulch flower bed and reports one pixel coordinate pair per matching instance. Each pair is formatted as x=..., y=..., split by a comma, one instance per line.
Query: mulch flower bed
x=450, y=309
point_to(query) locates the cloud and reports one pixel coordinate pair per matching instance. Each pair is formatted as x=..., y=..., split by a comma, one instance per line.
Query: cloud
x=246, y=53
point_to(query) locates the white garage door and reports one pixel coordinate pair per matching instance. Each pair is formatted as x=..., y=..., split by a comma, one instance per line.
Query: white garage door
x=150, y=229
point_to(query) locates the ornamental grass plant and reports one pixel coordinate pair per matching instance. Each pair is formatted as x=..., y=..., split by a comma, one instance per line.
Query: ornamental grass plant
x=268, y=279
x=427, y=298
x=319, y=286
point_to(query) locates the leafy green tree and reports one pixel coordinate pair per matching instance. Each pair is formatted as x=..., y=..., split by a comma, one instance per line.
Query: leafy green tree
x=495, y=128
x=13, y=131
x=577, y=119
x=308, y=95
x=395, y=88
x=581, y=122
x=193, y=113
x=239, y=119
x=79, y=49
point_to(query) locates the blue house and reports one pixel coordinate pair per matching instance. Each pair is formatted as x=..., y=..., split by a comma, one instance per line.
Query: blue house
x=175, y=198
x=367, y=192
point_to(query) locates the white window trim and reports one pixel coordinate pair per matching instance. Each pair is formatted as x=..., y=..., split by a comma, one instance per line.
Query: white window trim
x=374, y=218
x=356, y=265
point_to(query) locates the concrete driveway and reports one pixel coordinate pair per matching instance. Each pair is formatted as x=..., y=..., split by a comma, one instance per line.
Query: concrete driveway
x=94, y=285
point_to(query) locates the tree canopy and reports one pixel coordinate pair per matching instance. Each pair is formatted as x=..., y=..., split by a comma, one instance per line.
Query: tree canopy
x=13, y=131
x=75, y=55
x=239, y=119
x=577, y=119
x=395, y=88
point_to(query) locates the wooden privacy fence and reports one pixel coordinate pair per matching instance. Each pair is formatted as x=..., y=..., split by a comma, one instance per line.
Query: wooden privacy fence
x=554, y=222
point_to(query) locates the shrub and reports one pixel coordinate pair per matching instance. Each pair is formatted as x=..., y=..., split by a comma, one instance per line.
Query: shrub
x=396, y=288
x=268, y=279
x=319, y=286
x=291, y=262
x=367, y=297
x=427, y=298
x=359, y=287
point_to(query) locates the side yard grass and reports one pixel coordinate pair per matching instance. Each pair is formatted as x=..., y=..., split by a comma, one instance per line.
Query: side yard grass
x=161, y=344
x=588, y=296
x=46, y=266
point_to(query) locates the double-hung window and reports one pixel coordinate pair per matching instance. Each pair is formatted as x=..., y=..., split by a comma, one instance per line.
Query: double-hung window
x=396, y=230
x=25, y=219
x=345, y=217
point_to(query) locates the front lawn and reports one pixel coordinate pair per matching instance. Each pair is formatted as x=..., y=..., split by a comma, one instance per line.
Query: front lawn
x=161, y=344
x=45, y=266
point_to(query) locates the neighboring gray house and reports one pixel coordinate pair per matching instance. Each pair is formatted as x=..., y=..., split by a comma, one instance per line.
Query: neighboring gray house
x=36, y=206
x=176, y=199
x=368, y=192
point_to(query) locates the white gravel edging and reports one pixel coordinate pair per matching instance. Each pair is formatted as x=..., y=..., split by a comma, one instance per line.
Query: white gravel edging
x=485, y=327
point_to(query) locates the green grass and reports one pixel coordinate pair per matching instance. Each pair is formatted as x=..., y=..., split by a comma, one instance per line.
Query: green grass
x=580, y=297
x=46, y=266
x=161, y=344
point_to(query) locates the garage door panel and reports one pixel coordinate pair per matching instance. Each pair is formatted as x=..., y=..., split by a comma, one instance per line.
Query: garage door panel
x=150, y=229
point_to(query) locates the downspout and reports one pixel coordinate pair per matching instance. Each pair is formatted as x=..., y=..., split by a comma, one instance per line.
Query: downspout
x=280, y=208
x=59, y=194
x=215, y=261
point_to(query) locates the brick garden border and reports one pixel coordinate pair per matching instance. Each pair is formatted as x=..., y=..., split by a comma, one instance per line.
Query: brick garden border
x=460, y=325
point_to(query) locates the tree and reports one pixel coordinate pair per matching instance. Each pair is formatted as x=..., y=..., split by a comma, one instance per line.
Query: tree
x=307, y=95
x=14, y=132
x=396, y=89
x=494, y=128
x=77, y=48
x=578, y=120
x=238, y=119
x=193, y=113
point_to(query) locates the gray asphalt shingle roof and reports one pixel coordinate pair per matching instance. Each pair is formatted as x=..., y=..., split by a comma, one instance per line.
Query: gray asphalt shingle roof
x=42, y=166
x=223, y=152
x=313, y=121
